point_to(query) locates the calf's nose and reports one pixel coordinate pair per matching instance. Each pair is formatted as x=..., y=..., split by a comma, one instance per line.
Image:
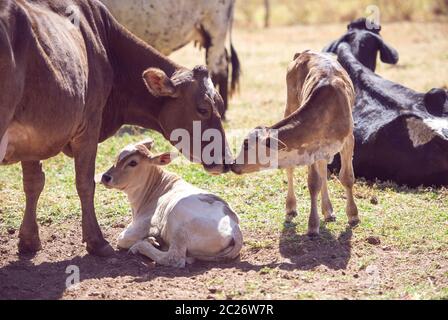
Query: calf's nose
x=106, y=178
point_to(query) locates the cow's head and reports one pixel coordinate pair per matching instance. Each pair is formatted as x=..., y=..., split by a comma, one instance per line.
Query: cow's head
x=191, y=113
x=136, y=164
x=365, y=41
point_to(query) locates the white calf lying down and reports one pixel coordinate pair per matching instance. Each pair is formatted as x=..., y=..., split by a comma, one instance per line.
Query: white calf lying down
x=191, y=221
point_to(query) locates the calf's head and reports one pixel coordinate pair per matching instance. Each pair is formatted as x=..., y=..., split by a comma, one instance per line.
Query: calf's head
x=365, y=41
x=259, y=151
x=190, y=116
x=134, y=165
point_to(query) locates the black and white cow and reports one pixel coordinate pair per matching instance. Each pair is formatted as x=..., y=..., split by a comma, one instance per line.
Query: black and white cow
x=168, y=25
x=401, y=135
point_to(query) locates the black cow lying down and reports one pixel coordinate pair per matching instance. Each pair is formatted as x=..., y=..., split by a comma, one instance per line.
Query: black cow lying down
x=401, y=135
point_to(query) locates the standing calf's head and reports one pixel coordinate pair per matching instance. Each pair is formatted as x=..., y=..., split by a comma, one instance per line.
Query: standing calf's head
x=133, y=164
x=365, y=41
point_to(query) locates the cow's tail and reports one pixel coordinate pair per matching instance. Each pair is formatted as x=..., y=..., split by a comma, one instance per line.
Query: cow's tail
x=234, y=60
x=229, y=253
x=4, y=6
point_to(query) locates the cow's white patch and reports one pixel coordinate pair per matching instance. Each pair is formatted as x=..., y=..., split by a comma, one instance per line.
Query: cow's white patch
x=209, y=87
x=308, y=155
x=3, y=146
x=423, y=131
x=440, y=126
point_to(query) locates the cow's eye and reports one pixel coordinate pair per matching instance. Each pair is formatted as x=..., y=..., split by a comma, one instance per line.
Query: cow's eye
x=133, y=163
x=203, y=111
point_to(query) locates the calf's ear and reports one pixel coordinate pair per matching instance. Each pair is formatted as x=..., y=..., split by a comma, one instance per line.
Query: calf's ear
x=148, y=143
x=387, y=53
x=159, y=84
x=163, y=158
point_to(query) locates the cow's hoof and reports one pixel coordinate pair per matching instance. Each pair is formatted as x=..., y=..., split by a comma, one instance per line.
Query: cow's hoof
x=105, y=250
x=353, y=222
x=330, y=218
x=29, y=245
x=313, y=235
x=290, y=215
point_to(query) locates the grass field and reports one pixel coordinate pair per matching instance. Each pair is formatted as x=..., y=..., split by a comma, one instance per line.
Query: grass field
x=251, y=13
x=398, y=251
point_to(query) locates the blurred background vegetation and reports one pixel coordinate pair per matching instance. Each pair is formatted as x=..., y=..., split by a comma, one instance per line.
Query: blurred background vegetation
x=252, y=13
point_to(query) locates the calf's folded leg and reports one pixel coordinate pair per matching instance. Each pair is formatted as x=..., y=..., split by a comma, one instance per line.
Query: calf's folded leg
x=174, y=257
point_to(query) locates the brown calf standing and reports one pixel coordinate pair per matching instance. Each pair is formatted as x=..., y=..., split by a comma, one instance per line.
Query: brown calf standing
x=318, y=124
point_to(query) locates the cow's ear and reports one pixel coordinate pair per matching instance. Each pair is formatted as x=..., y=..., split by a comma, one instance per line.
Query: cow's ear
x=163, y=158
x=387, y=53
x=159, y=84
x=333, y=47
x=435, y=102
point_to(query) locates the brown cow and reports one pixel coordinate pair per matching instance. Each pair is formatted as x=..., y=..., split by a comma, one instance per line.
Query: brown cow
x=70, y=77
x=318, y=124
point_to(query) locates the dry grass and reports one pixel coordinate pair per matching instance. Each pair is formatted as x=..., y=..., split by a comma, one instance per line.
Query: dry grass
x=291, y=12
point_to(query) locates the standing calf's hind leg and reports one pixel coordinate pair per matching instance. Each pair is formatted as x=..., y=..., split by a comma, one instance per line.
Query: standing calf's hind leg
x=347, y=178
x=291, y=202
x=33, y=184
x=327, y=208
x=314, y=186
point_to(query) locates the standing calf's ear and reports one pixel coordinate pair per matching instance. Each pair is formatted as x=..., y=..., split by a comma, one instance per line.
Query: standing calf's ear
x=158, y=83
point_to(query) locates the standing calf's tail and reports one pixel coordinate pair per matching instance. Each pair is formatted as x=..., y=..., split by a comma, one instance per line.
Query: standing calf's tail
x=229, y=253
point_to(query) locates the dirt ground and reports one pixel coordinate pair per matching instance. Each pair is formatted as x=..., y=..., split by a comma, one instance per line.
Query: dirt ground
x=273, y=270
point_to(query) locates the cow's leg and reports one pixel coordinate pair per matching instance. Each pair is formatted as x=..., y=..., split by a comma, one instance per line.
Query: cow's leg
x=291, y=202
x=327, y=208
x=314, y=186
x=33, y=184
x=85, y=153
x=347, y=178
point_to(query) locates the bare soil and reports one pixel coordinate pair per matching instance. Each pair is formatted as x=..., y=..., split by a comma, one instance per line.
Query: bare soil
x=284, y=266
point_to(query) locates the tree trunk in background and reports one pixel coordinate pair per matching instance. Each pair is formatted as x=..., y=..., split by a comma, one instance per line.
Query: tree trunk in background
x=267, y=14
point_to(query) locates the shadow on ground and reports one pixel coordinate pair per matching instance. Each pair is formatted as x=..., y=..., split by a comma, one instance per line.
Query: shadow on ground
x=306, y=253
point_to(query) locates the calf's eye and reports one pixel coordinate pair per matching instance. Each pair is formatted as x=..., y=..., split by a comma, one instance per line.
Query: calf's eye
x=133, y=163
